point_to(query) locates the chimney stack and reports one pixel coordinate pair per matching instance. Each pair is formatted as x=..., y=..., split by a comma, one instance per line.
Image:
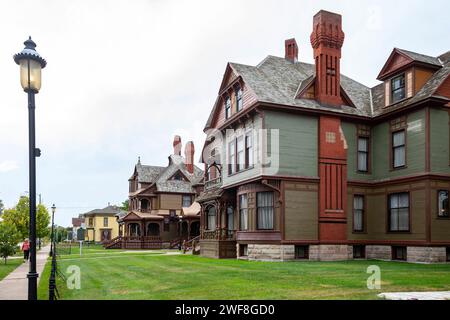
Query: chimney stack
x=177, y=145
x=327, y=39
x=291, y=50
x=189, y=155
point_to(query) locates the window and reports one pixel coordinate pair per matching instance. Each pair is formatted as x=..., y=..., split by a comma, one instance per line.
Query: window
x=177, y=177
x=231, y=157
x=240, y=153
x=358, y=213
x=359, y=252
x=230, y=218
x=243, y=250
x=227, y=107
x=243, y=212
x=238, y=92
x=399, y=253
x=248, y=150
x=399, y=212
x=443, y=207
x=186, y=201
x=398, y=88
x=105, y=221
x=363, y=154
x=301, y=252
x=265, y=210
x=398, y=149
x=91, y=222
x=172, y=213
x=211, y=218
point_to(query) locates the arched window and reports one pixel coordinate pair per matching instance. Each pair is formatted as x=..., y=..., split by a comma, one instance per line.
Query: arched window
x=211, y=218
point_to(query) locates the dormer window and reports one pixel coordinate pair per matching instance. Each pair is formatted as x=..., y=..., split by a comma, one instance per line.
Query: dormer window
x=227, y=107
x=398, y=91
x=238, y=92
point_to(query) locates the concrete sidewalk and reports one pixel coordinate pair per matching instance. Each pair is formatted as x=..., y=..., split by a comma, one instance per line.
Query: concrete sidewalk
x=432, y=295
x=15, y=285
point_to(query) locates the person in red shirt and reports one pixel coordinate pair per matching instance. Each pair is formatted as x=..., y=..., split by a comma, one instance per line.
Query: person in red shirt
x=26, y=250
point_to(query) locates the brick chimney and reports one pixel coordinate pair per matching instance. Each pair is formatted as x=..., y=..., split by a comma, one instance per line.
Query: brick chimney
x=327, y=39
x=189, y=155
x=177, y=145
x=291, y=50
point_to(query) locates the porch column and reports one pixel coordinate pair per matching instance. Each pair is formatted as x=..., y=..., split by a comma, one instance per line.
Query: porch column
x=189, y=229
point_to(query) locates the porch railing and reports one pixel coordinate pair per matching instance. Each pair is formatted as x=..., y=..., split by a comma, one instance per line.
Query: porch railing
x=219, y=234
x=213, y=183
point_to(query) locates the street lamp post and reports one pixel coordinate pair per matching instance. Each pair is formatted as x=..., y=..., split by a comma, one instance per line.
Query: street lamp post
x=52, y=280
x=52, y=236
x=31, y=64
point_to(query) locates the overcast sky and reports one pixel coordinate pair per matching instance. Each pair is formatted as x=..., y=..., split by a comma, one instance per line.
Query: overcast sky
x=124, y=76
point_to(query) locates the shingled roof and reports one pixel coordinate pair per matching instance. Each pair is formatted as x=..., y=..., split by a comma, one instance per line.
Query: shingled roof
x=161, y=176
x=277, y=80
x=109, y=211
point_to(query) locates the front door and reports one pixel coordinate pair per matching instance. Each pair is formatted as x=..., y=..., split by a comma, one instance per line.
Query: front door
x=105, y=234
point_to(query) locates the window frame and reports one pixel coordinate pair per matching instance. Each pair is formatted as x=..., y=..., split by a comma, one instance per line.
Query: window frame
x=208, y=218
x=367, y=154
x=240, y=140
x=389, y=227
x=363, y=213
x=105, y=222
x=232, y=156
x=393, y=148
x=227, y=105
x=447, y=216
x=305, y=256
x=239, y=98
x=402, y=75
x=241, y=210
x=248, y=150
x=182, y=200
x=395, y=255
x=362, y=252
x=258, y=208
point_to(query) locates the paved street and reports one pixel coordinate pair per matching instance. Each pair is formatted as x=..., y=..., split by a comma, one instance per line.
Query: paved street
x=434, y=295
x=15, y=285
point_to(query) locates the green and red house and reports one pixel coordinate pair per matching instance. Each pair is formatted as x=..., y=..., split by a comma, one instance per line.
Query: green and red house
x=303, y=162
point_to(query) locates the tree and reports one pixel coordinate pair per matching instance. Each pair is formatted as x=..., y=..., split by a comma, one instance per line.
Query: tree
x=19, y=216
x=124, y=205
x=42, y=222
x=9, y=238
x=1, y=206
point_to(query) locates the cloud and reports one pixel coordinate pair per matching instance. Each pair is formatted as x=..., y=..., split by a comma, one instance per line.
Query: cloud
x=8, y=165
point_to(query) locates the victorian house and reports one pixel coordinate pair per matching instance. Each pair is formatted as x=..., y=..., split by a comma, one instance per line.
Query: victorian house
x=302, y=162
x=162, y=212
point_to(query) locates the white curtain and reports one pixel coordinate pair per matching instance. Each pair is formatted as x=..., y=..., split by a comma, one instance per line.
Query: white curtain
x=265, y=210
x=399, y=148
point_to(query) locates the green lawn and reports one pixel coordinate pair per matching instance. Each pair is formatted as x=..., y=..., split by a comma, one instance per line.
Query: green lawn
x=142, y=275
x=10, y=265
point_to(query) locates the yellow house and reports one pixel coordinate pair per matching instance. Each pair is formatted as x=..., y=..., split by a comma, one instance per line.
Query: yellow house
x=101, y=224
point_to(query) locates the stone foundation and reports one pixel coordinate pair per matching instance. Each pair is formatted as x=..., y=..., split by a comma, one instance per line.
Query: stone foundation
x=426, y=254
x=330, y=252
x=270, y=252
x=379, y=252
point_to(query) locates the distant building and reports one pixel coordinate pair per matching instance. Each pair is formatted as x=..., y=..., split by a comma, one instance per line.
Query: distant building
x=78, y=228
x=101, y=224
x=162, y=211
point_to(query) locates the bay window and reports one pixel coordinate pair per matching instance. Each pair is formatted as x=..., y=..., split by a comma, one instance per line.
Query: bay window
x=211, y=218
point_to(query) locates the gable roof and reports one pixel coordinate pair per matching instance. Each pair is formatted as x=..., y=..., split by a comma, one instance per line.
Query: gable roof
x=147, y=174
x=107, y=211
x=279, y=81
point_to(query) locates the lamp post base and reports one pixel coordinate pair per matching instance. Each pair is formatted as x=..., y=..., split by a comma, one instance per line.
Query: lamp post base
x=32, y=285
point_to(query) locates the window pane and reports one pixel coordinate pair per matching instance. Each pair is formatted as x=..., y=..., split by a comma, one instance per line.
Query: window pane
x=240, y=153
x=265, y=210
x=403, y=223
x=393, y=201
x=230, y=218
x=363, y=144
x=249, y=149
x=358, y=220
x=403, y=201
x=394, y=220
x=358, y=202
x=443, y=207
x=398, y=138
x=231, y=157
x=399, y=156
x=362, y=161
x=212, y=218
